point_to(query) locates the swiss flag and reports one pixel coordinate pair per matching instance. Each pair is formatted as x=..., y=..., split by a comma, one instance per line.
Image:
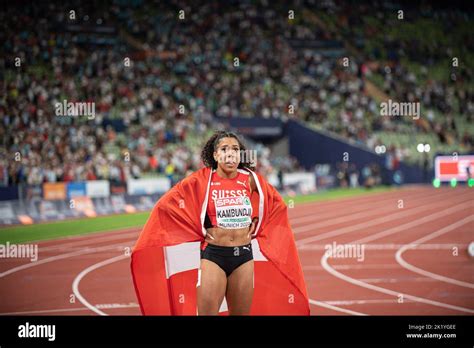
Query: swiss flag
x=166, y=257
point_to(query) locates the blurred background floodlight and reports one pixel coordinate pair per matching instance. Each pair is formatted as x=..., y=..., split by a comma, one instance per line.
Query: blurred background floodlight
x=453, y=182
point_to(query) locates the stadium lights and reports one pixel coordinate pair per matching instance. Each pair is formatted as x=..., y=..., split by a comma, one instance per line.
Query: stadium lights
x=453, y=182
x=380, y=149
x=423, y=148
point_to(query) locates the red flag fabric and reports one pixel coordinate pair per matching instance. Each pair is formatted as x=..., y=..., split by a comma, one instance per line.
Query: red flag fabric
x=166, y=257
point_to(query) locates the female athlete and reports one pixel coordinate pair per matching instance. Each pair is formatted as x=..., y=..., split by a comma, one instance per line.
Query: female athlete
x=226, y=255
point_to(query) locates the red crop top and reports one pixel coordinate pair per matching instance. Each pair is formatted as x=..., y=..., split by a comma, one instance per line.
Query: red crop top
x=229, y=204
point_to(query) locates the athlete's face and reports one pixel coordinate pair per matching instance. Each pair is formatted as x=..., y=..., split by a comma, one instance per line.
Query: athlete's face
x=227, y=154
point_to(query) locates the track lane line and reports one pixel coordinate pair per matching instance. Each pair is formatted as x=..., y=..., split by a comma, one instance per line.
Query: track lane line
x=412, y=268
x=328, y=268
x=335, y=308
x=383, y=219
x=342, y=213
x=84, y=272
x=60, y=257
x=356, y=212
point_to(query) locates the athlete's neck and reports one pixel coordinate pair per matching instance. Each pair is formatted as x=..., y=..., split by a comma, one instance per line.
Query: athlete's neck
x=226, y=175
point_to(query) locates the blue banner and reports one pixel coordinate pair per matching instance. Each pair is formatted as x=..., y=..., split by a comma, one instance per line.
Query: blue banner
x=76, y=189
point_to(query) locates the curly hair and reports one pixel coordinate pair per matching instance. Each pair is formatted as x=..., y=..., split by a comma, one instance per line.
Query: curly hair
x=207, y=153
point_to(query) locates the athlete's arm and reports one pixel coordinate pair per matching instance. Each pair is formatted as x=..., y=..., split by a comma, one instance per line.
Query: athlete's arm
x=253, y=190
x=252, y=184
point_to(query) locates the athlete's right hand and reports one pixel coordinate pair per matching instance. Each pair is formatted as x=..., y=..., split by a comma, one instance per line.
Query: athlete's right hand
x=252, y=226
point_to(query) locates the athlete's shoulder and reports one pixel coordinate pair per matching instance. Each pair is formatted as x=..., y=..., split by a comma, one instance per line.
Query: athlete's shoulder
x=247, y=174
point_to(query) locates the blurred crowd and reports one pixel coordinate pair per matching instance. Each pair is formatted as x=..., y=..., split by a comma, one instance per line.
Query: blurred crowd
x=423, y=56
x=222, y=58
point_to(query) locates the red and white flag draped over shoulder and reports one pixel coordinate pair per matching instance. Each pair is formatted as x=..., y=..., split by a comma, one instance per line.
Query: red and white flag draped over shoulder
x=166, y=257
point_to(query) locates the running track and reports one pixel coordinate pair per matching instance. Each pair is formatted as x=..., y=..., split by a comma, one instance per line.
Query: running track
x=414, y=262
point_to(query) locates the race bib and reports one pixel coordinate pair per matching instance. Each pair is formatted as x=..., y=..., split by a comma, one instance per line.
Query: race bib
x=233, y=212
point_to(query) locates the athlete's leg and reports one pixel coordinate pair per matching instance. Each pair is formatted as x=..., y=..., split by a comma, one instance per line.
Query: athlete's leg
x=240, y=289
x=211, y=290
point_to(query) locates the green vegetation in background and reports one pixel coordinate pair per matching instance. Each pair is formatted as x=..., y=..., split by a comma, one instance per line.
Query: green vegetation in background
x=52, y=230
x=337, y=193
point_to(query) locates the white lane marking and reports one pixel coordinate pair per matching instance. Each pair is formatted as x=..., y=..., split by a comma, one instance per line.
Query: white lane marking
x=380, y=220
x=352, y=266
x=95, y=239
x=83, y=273
x=331, y=219
x=61, y=257
x=446, y=246
x=396, y=280
x=364, y=198
x=59, y=310
x=117, y=305
x=359, y=302
x=327, y=305
x=335, y=232
x=416, y=244
x=327, y=267
x=46, y=311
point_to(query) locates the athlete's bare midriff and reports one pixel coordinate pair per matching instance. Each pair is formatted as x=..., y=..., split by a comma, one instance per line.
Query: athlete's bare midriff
x=228, y=237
